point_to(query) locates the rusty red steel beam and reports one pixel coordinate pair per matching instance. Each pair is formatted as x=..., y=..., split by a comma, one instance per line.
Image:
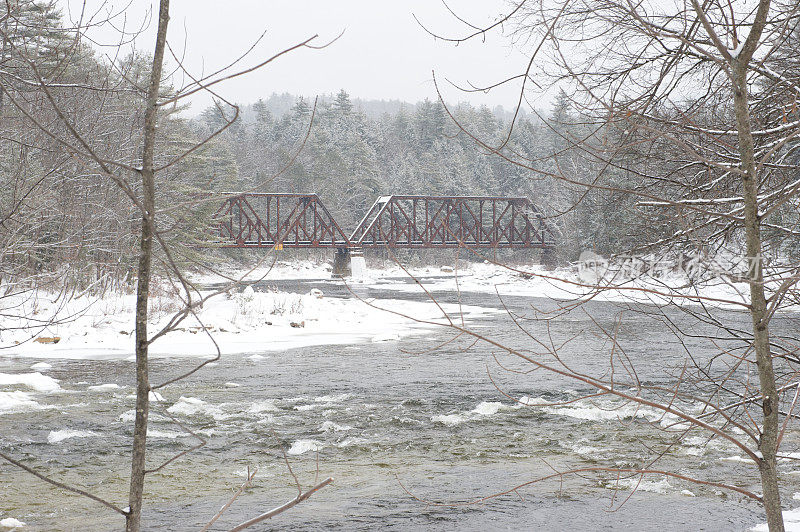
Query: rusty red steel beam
x=259, y=220
x=302, y=221
x=453, y=221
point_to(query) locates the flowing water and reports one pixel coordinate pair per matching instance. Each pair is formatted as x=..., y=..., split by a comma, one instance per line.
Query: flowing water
x=427, y=418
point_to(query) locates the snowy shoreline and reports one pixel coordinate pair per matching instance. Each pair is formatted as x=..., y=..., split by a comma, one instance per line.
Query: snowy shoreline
x=530, y=280
x=248, y=321
x=264, y=320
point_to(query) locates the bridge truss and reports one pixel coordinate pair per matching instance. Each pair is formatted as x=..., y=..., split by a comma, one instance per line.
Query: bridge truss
x=451, y=222
x=277, y=220
x=410, y=222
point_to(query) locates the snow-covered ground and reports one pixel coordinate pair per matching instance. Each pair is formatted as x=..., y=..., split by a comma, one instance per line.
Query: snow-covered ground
x=791, y=521
x=249, y=321
x=532, y=280
x=267, y=321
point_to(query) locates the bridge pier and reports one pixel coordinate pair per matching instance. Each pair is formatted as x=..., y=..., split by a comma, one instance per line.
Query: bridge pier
x=341, y=263
x=349, y=262
x=358, y=266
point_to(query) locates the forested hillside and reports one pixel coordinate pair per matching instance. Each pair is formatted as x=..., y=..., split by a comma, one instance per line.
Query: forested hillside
x=350, y=159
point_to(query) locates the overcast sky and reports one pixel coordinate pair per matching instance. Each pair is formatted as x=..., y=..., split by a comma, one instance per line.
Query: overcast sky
x=383, y=53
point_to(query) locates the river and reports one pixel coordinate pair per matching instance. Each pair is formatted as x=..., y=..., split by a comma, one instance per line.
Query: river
x=425, y=417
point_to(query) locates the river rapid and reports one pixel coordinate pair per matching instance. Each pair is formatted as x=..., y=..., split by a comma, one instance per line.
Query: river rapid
x=430, y=417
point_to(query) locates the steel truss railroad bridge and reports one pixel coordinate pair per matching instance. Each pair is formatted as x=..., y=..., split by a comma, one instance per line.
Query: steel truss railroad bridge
x=280, y=221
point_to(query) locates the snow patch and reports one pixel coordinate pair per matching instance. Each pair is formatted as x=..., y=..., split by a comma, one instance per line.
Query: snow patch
x=653, y=486
x=41, y=365
x=16, y=401
x=387, y=336
x=243, y=323
x=10, y=522
x=791, y=521
x=155, y=397
x=737, y=459
x=316, y=292
x=166, y=434
x=35, y=381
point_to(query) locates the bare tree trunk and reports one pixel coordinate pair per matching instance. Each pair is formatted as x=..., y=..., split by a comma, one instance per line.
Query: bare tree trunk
x=143, y=285
x=758, y=305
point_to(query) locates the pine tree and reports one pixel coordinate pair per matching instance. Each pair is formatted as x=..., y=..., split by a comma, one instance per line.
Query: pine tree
x=342, y=103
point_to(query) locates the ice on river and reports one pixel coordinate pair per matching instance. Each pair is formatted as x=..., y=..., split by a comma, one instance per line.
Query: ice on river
x=103, y=387
x=563, y=284
x=11, y=523
x=17, y=401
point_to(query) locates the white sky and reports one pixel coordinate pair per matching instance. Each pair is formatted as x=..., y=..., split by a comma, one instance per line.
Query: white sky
x=383, y=54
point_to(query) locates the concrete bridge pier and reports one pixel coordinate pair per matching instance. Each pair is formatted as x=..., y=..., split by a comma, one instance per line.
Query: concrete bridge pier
x=349, y=262
x=358, y=266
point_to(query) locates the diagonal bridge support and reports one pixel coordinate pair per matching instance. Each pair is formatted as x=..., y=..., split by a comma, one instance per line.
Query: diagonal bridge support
x=277, y=221
x=488, y=222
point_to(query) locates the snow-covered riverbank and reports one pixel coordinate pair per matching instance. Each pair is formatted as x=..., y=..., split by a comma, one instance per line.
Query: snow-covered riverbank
x=532, y=280
x=250, y=321
x=566, y=284
x=269, y=320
